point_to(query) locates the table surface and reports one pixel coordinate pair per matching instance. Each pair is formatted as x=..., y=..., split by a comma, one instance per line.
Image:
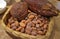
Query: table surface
x=55, y=34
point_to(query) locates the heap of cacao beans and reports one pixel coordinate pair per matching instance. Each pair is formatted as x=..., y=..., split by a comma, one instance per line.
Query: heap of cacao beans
x=33, y=24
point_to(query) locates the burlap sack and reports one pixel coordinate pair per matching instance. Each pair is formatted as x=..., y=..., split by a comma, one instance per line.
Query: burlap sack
x=22, y=35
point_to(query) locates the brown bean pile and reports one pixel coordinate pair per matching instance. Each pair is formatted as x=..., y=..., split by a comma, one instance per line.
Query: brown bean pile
x=33, y=24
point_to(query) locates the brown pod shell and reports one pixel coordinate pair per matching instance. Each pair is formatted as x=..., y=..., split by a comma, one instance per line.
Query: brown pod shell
x=42, y=7
x=19, y=10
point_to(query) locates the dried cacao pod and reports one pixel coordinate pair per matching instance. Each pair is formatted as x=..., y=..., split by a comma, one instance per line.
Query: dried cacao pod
x=42, y=7
x=19, y=10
